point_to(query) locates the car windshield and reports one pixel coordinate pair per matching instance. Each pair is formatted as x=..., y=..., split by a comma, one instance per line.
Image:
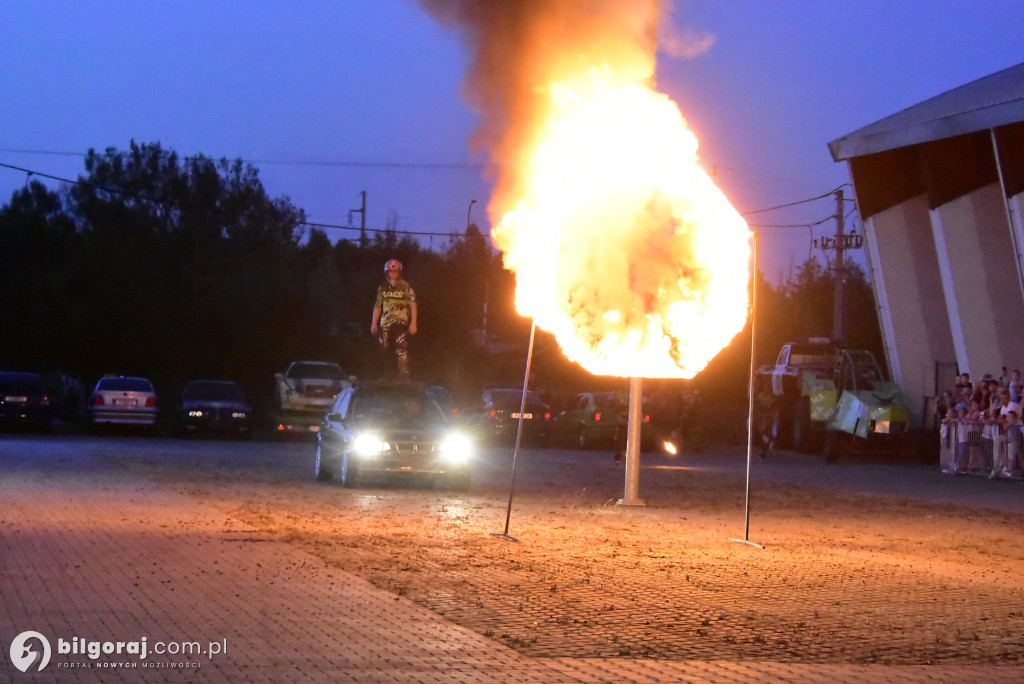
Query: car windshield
x=608, y=400
x=395, y=407
x=319, y=371
x=212, y=391
x=514, y=398
x=20, y=383
x=124, y=385
x=819, y=356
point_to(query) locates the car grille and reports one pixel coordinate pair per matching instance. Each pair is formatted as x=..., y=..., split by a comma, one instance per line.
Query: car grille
x=319, y=391
x=413, y=448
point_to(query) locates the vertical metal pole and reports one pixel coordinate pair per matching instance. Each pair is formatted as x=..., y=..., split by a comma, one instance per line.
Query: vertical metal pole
x=519, y=434
x=631, y=495
x=838, y=324
x=1014, y=238
x=750, y=399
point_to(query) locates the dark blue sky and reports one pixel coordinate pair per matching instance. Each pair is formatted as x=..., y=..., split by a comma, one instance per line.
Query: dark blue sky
x=329, y=98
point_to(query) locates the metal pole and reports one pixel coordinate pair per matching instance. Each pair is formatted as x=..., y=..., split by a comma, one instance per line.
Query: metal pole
x=750, y=401
x=1014, y=238
x=838, y=324
x=631, y=496
x=519, y=436
x=468, y=211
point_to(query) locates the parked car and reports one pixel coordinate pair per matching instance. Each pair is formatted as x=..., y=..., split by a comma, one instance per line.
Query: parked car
x=391, y=430
x=304, y=392
x=214, y=407
x=122, y=400
x=496, y=417
x=597, y=420
x=590, y=420
x=24, y=400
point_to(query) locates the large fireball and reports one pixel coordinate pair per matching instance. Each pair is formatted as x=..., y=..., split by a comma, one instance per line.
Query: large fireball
x=621, y=244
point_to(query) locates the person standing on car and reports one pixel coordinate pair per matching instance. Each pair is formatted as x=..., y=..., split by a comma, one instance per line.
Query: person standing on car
x=395, y=314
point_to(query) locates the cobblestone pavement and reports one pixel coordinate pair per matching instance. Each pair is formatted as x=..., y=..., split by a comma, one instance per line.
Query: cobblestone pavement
x=92, y=551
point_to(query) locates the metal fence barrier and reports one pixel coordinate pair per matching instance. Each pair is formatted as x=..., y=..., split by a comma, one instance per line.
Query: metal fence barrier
x=969, y=447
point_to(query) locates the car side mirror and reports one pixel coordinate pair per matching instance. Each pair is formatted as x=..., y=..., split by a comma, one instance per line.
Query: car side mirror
x=334, y=418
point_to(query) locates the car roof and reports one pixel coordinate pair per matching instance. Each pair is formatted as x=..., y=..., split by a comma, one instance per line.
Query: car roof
x=20, y=375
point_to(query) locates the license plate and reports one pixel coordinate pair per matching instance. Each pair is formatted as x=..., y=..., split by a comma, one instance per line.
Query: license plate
x=125, y=402
x=16, y=399
x=526, y=416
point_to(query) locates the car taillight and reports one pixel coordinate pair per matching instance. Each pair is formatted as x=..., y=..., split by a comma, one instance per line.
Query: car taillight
x=46, y=400
x=151, y=402
x=97, y=400
x=493, y=413
x=547, y=416
x=597, y=416
x=647, y=419
x=455, y=411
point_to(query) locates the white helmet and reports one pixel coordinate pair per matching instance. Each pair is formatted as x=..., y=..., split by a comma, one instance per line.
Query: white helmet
x=393, y=265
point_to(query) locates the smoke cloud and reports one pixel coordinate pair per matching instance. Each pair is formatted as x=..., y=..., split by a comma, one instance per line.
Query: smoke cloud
x=519, y=47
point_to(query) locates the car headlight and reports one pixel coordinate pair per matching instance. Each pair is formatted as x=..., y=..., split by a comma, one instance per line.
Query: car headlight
x=456, y=448
x=369, y=445
x=195, y=414
x=238, y=414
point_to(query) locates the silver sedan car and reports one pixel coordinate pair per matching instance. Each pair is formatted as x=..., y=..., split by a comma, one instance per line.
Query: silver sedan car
x=122, y=400
x=391, y=431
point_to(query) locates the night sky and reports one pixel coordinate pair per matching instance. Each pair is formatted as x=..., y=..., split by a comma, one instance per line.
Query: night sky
x=332, y=98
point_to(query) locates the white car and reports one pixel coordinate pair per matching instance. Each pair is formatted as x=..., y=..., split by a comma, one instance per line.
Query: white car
x=305, y=391
x=122, y=400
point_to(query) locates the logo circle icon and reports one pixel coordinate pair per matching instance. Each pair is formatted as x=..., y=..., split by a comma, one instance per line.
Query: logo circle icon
x=24, y=656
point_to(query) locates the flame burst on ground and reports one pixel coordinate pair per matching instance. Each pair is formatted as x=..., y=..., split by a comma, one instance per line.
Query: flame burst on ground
x=621, y=244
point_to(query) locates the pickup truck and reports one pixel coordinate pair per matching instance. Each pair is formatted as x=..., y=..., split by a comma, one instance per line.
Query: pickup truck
x=822, y=390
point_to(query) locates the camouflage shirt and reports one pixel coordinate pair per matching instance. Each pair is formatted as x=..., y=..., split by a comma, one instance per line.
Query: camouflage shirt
x=395, y=300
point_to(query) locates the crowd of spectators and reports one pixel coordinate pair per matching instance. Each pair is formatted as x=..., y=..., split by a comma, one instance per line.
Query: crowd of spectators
x=980, y=425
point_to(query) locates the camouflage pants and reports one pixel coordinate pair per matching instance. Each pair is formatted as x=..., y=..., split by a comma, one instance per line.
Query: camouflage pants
x=396, y=338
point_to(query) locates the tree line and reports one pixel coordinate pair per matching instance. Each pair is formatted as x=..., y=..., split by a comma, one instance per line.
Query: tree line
x=176, y=268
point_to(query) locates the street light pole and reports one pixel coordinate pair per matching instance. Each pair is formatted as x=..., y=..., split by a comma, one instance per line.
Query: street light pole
x=468, y=211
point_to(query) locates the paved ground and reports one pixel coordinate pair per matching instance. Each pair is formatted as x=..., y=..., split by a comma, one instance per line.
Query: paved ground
x=91, y=550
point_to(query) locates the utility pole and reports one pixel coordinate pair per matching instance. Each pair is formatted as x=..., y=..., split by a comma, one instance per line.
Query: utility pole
x=840, y=243
x=362, y=220
x=838, y=332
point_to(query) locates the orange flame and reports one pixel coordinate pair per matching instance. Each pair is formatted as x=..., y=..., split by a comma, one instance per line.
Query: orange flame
x=621, y=244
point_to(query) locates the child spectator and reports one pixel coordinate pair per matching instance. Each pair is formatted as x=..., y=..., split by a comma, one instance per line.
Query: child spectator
x=976, y=452
x=1013, y=443
x=1015, y=386
x=948, y=441
x=962, y=444
x=992, y=441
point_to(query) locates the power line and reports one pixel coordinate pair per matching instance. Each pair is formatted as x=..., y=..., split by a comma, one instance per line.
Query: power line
x=32, y=172
x=380, y=230
x=793, y=204
x=300, y=223
x=290, y=162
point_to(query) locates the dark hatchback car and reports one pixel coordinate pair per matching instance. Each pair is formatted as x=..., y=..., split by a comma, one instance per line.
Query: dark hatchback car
x=24, y=400
x=496, y=418
x=214, y=407
x=393, y=431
